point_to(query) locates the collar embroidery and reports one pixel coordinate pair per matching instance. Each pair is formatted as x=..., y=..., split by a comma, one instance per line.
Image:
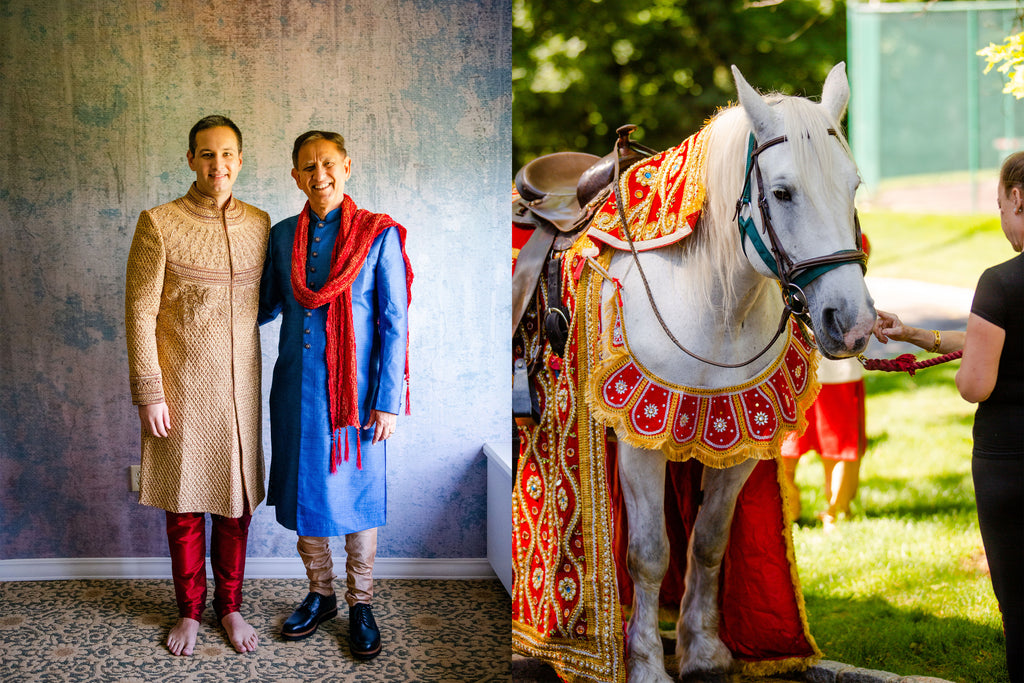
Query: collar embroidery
x=205, y=208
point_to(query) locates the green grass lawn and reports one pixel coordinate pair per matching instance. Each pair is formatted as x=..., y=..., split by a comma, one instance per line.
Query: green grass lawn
x=950, y=250
x=903, y=586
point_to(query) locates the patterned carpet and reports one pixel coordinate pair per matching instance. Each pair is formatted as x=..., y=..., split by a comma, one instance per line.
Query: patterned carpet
x=114, y=630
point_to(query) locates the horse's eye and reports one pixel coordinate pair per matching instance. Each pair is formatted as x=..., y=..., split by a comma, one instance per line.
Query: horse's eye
x=782, y=195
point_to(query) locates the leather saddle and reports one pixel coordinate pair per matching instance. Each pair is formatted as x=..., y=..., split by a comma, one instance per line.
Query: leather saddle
x=556, y=198
x=558, y=195
x=547, y=189
x=558, y=187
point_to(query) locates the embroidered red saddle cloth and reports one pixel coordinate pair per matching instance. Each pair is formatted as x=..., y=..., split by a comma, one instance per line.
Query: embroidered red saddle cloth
x=662, y=197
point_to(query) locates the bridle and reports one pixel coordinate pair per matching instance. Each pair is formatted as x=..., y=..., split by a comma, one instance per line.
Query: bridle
x=792, y=276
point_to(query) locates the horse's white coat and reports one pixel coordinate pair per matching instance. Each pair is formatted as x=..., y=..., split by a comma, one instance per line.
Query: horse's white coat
x=719, y=302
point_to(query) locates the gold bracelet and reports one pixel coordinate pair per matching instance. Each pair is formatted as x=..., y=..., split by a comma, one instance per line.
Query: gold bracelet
x=938, y=342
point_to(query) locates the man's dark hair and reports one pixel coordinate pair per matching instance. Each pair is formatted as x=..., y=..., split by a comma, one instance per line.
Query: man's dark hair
x=310, y=136
x=212, y=121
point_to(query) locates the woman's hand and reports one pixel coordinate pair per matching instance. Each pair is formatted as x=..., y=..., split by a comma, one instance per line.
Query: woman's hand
x=889, y=326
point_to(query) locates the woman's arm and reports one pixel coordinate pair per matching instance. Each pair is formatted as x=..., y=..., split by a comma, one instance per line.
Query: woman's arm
x=979, y=367
x=889, y=326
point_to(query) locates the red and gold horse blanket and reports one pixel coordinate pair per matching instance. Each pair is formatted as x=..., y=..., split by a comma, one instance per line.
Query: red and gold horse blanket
x=571, y=587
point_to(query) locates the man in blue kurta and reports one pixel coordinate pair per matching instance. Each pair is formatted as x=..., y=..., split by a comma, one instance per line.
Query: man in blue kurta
x=340, y=278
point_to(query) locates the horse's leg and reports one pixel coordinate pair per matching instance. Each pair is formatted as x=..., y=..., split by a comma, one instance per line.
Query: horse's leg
x=642, y=473
x=699, y=648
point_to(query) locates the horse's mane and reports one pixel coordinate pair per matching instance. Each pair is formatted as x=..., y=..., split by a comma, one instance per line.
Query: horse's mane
x=714, y=247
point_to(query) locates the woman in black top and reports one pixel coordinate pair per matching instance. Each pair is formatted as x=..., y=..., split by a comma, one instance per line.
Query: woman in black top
x=992, y=375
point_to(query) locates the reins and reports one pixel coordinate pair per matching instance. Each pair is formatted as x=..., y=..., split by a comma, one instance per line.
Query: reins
x=792, y=276
x=907, y=363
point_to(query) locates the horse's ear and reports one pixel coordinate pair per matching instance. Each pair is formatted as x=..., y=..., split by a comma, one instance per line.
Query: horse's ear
x=760, y=114
x=836, y=92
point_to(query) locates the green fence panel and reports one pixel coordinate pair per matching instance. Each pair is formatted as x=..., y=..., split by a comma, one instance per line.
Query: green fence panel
x=920, y=103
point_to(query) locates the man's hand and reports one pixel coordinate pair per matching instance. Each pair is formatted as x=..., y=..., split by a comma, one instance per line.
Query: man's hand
x=155, y=418
x=383, y=424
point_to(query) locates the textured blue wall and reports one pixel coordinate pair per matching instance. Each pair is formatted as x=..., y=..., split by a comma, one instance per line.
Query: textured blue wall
x=96, y=99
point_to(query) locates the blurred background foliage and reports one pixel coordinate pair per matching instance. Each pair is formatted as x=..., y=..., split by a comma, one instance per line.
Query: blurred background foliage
x=581, y=69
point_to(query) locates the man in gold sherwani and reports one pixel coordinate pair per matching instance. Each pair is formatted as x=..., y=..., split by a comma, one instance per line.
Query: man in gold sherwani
x=191, y=299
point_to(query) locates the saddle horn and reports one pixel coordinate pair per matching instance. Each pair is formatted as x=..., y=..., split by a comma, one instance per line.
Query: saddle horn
x=601, y=174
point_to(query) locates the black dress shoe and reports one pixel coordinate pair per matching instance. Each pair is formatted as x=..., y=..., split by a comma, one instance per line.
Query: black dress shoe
x=304, y=621
x=363, y=634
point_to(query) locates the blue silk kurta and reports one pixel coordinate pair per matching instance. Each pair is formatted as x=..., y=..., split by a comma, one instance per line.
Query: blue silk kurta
x=307, y=498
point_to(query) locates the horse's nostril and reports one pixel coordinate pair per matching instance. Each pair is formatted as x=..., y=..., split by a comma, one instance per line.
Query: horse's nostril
x=830, y=323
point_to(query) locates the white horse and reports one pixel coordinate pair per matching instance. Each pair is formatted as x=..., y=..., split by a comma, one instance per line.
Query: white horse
x=720, y=298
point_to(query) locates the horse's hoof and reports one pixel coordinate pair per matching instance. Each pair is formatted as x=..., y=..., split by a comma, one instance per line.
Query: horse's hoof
x=647, y=672
x=703, y=655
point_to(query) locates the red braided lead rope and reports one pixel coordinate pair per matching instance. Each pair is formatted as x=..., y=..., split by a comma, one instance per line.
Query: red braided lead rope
x=907, y=363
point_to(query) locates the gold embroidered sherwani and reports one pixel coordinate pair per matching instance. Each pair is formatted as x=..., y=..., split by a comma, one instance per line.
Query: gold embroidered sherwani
x=191, y=300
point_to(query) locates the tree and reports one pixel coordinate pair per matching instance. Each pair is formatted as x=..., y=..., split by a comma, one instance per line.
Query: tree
x=1010, y=60
x=580, y=73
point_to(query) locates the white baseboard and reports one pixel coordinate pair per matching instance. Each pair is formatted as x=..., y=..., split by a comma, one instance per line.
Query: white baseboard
x=48, y=569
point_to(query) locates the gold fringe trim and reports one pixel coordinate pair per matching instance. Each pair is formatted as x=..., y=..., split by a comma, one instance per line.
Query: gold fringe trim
x=787, y=533
x=770, y=667
x=567, y=657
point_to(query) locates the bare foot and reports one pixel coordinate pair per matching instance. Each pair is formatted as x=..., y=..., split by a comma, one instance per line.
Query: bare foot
x=182, y=638
x=241, y=634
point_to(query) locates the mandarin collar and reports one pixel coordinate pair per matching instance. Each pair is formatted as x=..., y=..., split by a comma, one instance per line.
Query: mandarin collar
x=205, y=206
x=332, y=216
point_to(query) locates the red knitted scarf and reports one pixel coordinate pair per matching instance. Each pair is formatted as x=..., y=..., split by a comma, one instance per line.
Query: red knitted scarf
x=359, y=228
